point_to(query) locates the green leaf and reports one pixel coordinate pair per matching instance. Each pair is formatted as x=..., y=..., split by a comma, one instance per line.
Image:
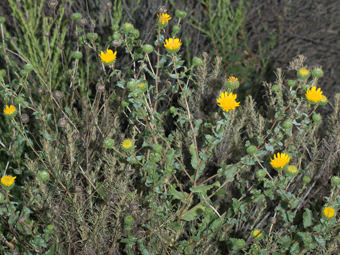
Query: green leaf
x=307, y=218
x=178, y=195
x=193, y=156
x=201, y=189
x=193, y=214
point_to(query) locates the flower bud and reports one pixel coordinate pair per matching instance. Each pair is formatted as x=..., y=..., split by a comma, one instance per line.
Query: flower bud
x=260, y=174
x=76, y=16
x=251, y=150
x=303, y=73
x=180, y=14
x=135, y=33
x=291, y=83
x=306, y=179
x=147, y=48
x=316, y=117
x=335, y=180
x=43, y=176
x=317, y=72
x=24, y=118
x=197, y=61
x=77, y=54
x=176, y=29
x=116, y=36
x=275, y=88
x=92, y=36
x=129, y=220
x=291, y=170
x=109, y=143
x=127, y=28
x=28, y=67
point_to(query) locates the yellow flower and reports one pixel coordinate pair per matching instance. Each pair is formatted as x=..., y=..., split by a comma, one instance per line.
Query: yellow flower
x=328, y=212
x=7, y=180
x=303, y=73
x=172, y=44
x=127, y=144
x=9, y=110
x=257, y=234
x=108, y=57
x=280, y=160
x=232, y=79
x=227, y=101
x=164, y=18
x=315, y=95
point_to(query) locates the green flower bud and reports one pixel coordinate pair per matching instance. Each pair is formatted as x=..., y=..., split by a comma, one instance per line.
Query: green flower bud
x=116, y=36
x=180, y=14
x=303, y=73
x=109, y=143
x=291, y=170
x=306, y=179
x=92, y=36
x=77, y=54
x=260, y=174
x=132, y=84
x=316, y=117
x=2, y=20
x=251, y=150
x=23, y=72
x=317, y=72
x=197, y=61
x=291, y=148
x=19, y=100
x=129, y=220
x=176, y=29
x=275, y=88
x=287, y=124
x=76, y=16
x=147, y=48
x=335, y=180
x=49, y=229
x=43, y=175
x=291, y=83
x=28, y=67
x=135, y=33
x=127, y=28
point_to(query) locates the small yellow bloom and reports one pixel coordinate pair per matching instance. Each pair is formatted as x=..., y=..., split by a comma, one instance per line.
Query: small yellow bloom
x=232, y=79
x=256, y=234
x=108, y=57
x=127, y=144
x=315, y=95
x=9, y=110
x=280, y=160
x=164, y=18
x=328, y=212
x=172, y=44
x=7, y=180
x=303, y=73
x=292, y=170
x=141, y=85
x=227, y=101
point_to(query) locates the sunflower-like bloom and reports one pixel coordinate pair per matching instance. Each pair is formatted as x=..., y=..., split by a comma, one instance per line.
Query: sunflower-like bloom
x=257, y=234
x=280, y=160
x=315, y=95
x=108, y=57
x=172, y=44
x=7, y=180
x=163, y=18
x=9, y=110
x=127, y=144
x=328, y=212
x=227, y=101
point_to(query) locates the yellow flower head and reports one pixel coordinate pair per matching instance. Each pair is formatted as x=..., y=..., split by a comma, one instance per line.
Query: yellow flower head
x=141, y=85
x=280, y=160
x=7, y=180
x=292, y=170
x=172, y=44
x=232, y=79
x=227, y=101
x=315, y=95
x=328, y=212
x=127, y=144
x=164, y=18
x=9, y=110
x=256, y=233
x=108, y=57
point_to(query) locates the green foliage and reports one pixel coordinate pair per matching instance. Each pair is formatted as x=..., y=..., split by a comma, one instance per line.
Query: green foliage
x=195, y=180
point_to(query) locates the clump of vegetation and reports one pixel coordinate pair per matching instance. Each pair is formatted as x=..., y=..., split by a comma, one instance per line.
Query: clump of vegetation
x=115, y=145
